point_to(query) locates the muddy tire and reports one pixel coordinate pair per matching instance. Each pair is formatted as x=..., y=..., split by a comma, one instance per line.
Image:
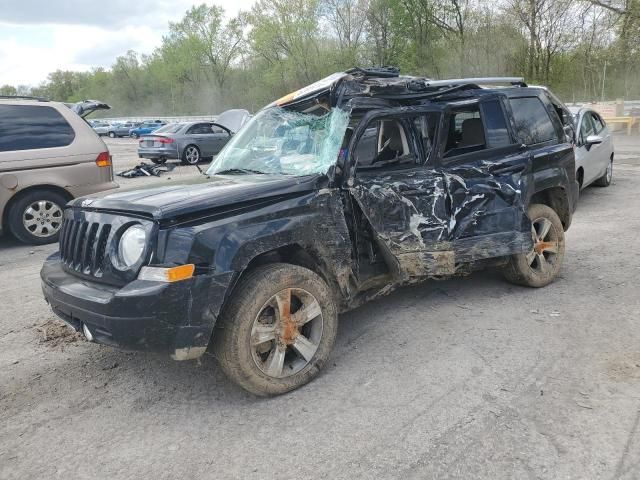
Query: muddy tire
x=541, y=265
x=277, y=331
x=36, y=217
x=605, y=180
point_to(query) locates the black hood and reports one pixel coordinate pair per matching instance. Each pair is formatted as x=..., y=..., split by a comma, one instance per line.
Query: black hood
x=179, y=197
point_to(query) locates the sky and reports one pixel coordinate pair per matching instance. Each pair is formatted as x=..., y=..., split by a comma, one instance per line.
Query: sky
x=40, y=36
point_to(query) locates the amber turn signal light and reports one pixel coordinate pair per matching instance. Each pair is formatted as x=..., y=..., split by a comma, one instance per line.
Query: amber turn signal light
x=173, y=274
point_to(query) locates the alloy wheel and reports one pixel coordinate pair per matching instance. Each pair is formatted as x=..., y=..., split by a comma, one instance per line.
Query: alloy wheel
x=286, y=333
x=192, y=155
x=42, y=218
x=545, y=245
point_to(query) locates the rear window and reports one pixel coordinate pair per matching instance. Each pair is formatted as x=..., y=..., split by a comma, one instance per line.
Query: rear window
x=27, y=127
x=170, y=128
x=532, y=122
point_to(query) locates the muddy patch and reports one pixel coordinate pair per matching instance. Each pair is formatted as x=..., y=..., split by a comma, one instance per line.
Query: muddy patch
x=54, y=333
x=625, y=367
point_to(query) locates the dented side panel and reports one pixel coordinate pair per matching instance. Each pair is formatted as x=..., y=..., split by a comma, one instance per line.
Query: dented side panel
x=432, y=220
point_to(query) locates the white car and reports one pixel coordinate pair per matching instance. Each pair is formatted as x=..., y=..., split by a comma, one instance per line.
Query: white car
x=101, y=128
x=594, y=148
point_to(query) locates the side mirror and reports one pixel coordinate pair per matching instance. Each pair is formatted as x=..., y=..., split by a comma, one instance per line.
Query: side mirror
x=593, y=140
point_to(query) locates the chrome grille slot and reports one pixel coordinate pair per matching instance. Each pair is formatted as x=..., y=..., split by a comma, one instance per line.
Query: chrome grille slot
x=83, y=245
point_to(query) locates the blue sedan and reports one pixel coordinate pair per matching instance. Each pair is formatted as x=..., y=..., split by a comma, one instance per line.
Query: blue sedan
x=145, y=128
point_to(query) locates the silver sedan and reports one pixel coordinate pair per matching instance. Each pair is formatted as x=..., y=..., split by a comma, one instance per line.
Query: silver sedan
x=594, y=149
x=190, y=142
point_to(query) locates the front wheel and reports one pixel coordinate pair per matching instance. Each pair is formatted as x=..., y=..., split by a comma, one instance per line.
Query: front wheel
x=134, y=135
x=112, y=135
x=605, y=180
x=540, y=266
x=278, y=329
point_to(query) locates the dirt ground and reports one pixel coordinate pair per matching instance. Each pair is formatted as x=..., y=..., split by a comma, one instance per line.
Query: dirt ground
x=466, y=378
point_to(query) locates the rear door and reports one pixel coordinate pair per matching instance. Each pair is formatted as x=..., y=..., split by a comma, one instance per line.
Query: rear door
x=201, y=135
x=486, y=174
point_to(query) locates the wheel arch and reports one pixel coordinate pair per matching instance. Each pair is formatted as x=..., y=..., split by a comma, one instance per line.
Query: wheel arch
x=293, y=254
x=557, y=199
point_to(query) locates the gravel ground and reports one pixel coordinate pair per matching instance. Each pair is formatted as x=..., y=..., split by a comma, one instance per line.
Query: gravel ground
x=465, y=378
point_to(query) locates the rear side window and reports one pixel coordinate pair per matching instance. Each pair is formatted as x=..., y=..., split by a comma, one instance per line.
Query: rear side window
x=200, y=128
x=532, y=122
x=27, y=127
x=495, y=124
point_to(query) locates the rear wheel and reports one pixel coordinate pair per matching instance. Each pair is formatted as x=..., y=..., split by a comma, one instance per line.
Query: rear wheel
x=605, y=180
x=191, y=155
x=278, y=329
x=36, y=217
x=541, y=265
x=134, y=135
x=112, y=135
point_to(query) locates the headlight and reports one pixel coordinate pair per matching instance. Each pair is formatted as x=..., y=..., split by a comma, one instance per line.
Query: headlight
x=131, y=245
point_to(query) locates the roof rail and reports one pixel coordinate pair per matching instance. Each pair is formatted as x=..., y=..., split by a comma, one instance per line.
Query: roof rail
x=24, y=97
x=386, y=71
x=515, y=81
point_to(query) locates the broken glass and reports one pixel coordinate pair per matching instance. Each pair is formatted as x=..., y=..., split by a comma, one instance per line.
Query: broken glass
x=286, y=142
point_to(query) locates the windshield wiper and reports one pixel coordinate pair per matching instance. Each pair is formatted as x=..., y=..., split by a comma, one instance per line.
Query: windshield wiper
x=239, y=170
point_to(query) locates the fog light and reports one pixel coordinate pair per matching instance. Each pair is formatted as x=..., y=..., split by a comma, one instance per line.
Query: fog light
x=87, y=333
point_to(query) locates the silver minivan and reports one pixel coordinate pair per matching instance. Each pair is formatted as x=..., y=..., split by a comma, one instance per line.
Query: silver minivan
x=48, y=155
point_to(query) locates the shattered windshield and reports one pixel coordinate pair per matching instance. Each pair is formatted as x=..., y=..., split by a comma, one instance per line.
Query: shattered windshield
x=280, y=141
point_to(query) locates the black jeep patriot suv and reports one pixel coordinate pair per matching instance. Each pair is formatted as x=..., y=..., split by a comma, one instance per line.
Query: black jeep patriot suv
x=331, y=196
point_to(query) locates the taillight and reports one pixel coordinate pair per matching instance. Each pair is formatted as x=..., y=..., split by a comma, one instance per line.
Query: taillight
x=165, y=140
x=103, y=160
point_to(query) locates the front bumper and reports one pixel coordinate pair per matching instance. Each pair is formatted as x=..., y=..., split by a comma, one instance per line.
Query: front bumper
x=175, y=318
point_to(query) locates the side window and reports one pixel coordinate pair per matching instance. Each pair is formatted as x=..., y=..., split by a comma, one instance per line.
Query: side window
x=586, y=127
x=495, y=124
x=426, y=126
x=27, y=127
x=385, y=143
x=465, y=131
x=200, y=128
x=598, y=125
x=216, y=129
x=532, y=122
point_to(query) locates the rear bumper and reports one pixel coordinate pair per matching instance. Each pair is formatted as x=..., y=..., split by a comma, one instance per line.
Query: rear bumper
x=158, y=153
x=172, y=318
